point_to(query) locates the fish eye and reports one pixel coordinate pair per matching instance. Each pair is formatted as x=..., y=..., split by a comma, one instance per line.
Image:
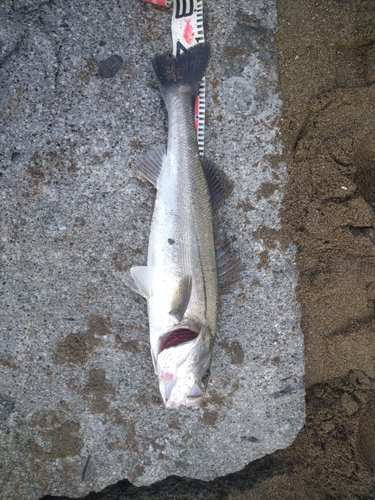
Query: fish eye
x=206, y=375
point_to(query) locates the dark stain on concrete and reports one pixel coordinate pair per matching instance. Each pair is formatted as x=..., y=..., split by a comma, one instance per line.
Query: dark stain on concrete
x=235, y=351
x=149, y=397
x=98, y=388
x=264, y=259
x=76, y=347
x=245, y=205
x=136, y=144
x=276, y=360
x=215, y=398
x=56, y=166
x=128, y=439
x=64, y=440
x=87, y=71
x=180, y=464
x=209, y=417
x=174, y=424
x=58, y=438
x=79, y=221
x=127, y=345
x=136, y=472
x=36, y=174
x=8, y=364
x=247, y=37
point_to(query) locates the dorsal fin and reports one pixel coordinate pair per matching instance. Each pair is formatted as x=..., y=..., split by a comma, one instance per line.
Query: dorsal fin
x=150, y=164
x=217, y=183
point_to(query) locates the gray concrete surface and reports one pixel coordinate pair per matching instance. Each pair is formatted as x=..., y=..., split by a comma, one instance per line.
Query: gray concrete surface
x=79, y=403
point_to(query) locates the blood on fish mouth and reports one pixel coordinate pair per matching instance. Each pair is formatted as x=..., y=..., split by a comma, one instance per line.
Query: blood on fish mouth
x=178, y=337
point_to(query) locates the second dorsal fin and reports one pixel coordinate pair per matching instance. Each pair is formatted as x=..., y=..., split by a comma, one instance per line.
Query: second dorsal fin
x=150, y=164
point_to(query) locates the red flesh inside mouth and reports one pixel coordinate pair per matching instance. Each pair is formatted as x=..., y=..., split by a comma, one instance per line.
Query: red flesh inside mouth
x=178, y=337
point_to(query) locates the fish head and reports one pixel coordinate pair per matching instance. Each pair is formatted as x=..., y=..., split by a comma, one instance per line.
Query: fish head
x=184, y=369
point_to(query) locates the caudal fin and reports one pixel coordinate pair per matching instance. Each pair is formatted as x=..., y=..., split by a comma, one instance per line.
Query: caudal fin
x=186, y=69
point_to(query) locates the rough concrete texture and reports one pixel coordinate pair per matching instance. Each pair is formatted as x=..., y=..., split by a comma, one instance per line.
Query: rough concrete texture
x=80, y=406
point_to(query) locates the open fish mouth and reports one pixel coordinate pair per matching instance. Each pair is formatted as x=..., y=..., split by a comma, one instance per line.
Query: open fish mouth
x=178, y=337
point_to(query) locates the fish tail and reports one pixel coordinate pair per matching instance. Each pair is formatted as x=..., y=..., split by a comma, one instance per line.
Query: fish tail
x=186, y=69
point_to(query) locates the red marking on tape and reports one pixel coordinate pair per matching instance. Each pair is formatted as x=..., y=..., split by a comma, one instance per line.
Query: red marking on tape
x=188, y=33
x=161, y=3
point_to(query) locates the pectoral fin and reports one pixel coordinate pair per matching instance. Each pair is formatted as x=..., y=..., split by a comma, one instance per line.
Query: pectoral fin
x=139, y=280
x=142, y=276
x=181, y=297
x=128, y=280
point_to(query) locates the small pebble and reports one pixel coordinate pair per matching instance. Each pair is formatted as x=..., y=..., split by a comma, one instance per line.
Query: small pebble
x=109, y=67
x=16, y=156
x=349, y=404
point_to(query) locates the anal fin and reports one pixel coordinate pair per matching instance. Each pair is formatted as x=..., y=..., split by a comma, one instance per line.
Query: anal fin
x=150, y=164
x=218, y=184
x=181, y=297
x=228, y=267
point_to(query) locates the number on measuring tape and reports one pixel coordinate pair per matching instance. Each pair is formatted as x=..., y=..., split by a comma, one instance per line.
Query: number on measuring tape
x=184, y=8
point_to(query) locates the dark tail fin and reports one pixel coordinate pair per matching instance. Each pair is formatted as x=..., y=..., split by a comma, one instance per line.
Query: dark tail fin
x=186, y=69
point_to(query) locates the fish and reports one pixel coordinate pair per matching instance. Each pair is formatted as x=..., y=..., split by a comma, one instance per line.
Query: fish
x=184, y=269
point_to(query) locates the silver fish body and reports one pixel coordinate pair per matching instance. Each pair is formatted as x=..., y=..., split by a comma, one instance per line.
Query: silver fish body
x=181, y=245
x=180, y=281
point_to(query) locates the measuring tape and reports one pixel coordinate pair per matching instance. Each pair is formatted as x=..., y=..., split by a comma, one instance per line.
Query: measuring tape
x=187, y=30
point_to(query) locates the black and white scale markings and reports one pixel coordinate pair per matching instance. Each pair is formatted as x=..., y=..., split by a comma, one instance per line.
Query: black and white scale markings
x=187, y=31
x=189, y=13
